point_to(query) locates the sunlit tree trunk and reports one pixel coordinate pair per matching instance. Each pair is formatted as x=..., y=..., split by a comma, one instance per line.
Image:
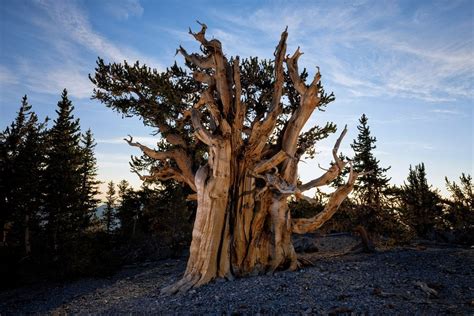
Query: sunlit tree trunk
x=243, y=224
x=242, y=185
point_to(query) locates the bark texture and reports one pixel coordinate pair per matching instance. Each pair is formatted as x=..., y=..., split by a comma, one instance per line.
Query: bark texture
x=243, y=224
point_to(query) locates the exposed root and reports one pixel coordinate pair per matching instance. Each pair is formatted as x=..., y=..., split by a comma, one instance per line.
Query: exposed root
x=304, y=262
x=366, y=245
x=182, y=286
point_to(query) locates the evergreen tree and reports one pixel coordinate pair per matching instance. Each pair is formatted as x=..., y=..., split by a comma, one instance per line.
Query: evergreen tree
x=370, y=187
x=89, y=184
x=64, y=211
x=10, y=141
x=21, y=171
x=462, y=194
x=131, y=202
x=110, y=207
x=460, y=211
x=421, y=205
x=123, y=189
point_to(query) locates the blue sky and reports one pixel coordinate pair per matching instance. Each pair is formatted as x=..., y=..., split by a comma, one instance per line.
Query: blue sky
x=408, y=65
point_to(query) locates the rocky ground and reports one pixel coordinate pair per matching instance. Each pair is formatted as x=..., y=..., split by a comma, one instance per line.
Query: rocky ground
x=433, y=279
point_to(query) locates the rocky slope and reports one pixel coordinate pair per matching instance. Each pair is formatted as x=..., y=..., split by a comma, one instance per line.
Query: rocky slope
x=411, y=280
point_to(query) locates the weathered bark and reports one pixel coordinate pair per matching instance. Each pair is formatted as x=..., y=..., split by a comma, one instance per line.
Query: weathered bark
x=243, y=224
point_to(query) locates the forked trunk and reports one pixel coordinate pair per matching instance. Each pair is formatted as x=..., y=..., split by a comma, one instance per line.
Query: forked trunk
x=236, y=232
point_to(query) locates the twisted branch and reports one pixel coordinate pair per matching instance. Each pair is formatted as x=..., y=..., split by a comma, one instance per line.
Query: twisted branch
x=305, y=225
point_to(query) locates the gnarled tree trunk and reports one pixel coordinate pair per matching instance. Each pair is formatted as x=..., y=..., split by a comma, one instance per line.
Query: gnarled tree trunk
x=243, y=224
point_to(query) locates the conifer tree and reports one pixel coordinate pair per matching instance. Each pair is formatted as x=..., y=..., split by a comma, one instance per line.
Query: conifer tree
x=110, y=207
x=89, y=183
x=131, y=202
x=460, y=210
x=370, y=187
x=123, y=189
x=21, y=168
x=63, y=207
x=421, y=205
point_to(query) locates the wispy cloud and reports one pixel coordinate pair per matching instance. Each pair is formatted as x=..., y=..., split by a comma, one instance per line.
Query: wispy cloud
x=372, y=49
x=68, y=33
x=443, y=111
x=411, y=145
x=124, y=9
x=7, y=77
x=56, y=78
x=67, y=19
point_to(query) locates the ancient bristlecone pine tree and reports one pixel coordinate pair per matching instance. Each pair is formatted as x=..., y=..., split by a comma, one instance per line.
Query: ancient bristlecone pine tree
x=233, y=133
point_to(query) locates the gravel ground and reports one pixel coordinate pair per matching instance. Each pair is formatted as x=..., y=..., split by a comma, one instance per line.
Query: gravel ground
x=416, y=280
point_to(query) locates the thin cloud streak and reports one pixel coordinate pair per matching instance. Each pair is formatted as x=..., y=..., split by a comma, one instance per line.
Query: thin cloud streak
x=57, y=78
x=443, y=111
x=69, y=20
x=68, y=31
x=124, y=9
x=404, y=65
x=7, y=77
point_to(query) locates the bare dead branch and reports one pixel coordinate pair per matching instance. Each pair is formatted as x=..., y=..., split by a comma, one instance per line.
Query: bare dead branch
x=341, y=164
x=185, y=174
x=270, y=163
x=148, y=151
x=320, y=167
x=274, y=181
x=325, y=179
x=292, y=64
x=199, y=61
x=305, y=225
x=317, y=78
x=280, y=52
x=300, y=196
x=331, y=173
x=261, y=130
x=201, y=35
x=204, y=78
x=239, y=107
x=208, y=101
x=200, y=131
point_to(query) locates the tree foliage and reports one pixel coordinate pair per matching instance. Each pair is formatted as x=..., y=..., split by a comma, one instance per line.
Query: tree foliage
x=89, y=183
x=110, y=207
x=48, y=192
x=460, y=208
x=22, y=170
x=420, y=205
x=63, y=179
x=370, y=187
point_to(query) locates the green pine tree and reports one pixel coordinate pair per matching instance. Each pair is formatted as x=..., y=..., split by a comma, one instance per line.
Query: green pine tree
x=123, y=189
x=89, y=183
x=421, y=205
x=131, y=202
x=370, y=187
x=21, y=172
x=460, y=209
x=64, y=211
x=110, y=207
